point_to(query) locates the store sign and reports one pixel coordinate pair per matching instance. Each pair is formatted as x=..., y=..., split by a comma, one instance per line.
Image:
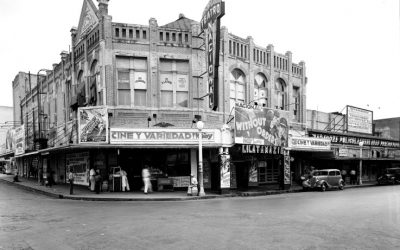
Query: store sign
x=79, y=163
x=343, y=152
x=92, y=125
x=259, y=149
x=309, y=143
x=19, y=136
x=160, y=136
x=261, y=126
x=359, y=120
x=354, y=140
x=210, y=23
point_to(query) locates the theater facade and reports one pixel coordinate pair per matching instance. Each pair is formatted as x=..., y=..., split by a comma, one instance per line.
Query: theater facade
x=130, y=95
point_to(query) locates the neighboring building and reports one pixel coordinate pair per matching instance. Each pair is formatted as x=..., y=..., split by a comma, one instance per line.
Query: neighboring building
x=388, y=128
x=6, y=122
x=348, y=147
x=129, y=95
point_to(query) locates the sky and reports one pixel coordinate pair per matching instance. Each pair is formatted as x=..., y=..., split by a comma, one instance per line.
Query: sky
x=351, y=47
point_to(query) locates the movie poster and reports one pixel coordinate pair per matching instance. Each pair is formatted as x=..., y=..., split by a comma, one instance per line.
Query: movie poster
x=93, y=125
x=225, y=171
x=261, y=126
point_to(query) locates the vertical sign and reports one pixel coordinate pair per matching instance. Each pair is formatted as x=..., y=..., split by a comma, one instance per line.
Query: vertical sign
x=19, y=140
x=210, y=23
x=225, y=161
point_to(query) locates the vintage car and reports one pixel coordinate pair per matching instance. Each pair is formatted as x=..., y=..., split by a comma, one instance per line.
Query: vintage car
x=323, y=179
x=390, y=176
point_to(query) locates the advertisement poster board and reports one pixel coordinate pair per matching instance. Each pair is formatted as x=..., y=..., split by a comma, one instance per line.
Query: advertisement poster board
x=19, y=140
x=253, y=174
x=296, y=142
x=79, y=162
x=93, y=125
x=225, y=171
x=286, y=168
x=359, y=120
x=10, y=140
x=261, y=126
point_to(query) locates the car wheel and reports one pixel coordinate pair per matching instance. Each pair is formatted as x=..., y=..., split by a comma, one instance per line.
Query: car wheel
x=341, y=185
x=323, y=187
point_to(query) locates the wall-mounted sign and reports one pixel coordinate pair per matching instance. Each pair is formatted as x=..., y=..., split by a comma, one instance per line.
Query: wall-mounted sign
x=92, y=125
x=210, y=23
x=225, y=162
x=162, y=136
x=261, y=126
x=260, y=149
x=79, y=163
x=343, y=152
x=359, y=120
x=19, y=140
x=354, y=140
x=309, y=143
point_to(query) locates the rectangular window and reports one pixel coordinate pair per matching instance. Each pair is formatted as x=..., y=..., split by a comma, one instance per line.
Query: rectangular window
x=124, y=89
x=137, y=34
x=124, y=33
x=234, y=48
x=161, y=36
x=173, y=37
x=254, y=54
x=167, y=36
x=132, y=81
x=117, y=32
x=180, y=37
x=230, y=47
x=174, y=83
x=241, y=50
x=144, y=35
x=130, y=33
x=245, y=52
x=186, y=38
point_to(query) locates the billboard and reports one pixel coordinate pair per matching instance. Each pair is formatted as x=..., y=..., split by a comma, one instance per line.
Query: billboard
x=93, y=125
x=210, y=23
x=359, y=120
x=261, y=126
x=19, y=140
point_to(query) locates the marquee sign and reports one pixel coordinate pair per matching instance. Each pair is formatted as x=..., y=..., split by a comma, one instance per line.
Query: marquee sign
x=162, y=136
x=210, y=23
x=309, y=143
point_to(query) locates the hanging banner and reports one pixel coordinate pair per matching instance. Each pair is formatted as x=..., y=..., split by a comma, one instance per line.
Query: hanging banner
x=10, y=140
x=286, y=168
x=19, y=136
x=261, y=126
x=210, y=23
x=93, y=125
x=225, y=161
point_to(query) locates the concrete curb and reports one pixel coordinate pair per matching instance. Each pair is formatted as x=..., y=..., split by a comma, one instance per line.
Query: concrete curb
x=238, y=194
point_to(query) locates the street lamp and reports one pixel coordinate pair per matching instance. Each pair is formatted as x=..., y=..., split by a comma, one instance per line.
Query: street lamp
x=200, y=126
x=361, y=144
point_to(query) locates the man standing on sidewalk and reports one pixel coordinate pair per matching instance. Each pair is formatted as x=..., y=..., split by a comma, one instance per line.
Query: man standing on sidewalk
x=71, y=177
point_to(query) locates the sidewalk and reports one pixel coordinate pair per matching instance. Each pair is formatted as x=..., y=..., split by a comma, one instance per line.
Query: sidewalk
x=61, y=191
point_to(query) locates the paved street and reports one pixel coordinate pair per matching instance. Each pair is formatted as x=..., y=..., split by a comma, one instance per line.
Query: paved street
x=363, y=218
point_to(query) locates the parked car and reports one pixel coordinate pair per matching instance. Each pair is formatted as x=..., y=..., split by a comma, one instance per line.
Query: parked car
x=390, y=176
x=324, y=179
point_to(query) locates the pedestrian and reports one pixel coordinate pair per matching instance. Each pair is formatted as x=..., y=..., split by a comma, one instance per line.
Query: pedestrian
x=124, y=179
x=71, y=177
x=146, y=180
x=97, y=181
x=40, y=177
x=92, y=181
x=353, y=177
x=344, y=173
x=16, y=176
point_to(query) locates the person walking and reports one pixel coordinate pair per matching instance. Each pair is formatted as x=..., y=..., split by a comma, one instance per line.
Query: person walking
x=146, y=180
x=124, y=179
x=92, y=182
x=344, y=173
x=97, y=180
x=71, y=177
x=353, y=177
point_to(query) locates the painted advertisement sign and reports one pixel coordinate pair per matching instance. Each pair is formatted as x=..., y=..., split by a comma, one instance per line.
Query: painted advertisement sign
x=162, y=136
x=354, y=140
x=359, y=120
x=309, y=143
x=261, y=126
x=93, y=125
x=210, y=23
x=79, y=162
x=19, y=140
x=10, y=140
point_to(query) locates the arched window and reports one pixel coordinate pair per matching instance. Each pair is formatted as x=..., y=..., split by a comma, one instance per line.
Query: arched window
x=237, y=87
x=81, y=89
x=94, y=80
x=280, y=90
x=260, y=90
